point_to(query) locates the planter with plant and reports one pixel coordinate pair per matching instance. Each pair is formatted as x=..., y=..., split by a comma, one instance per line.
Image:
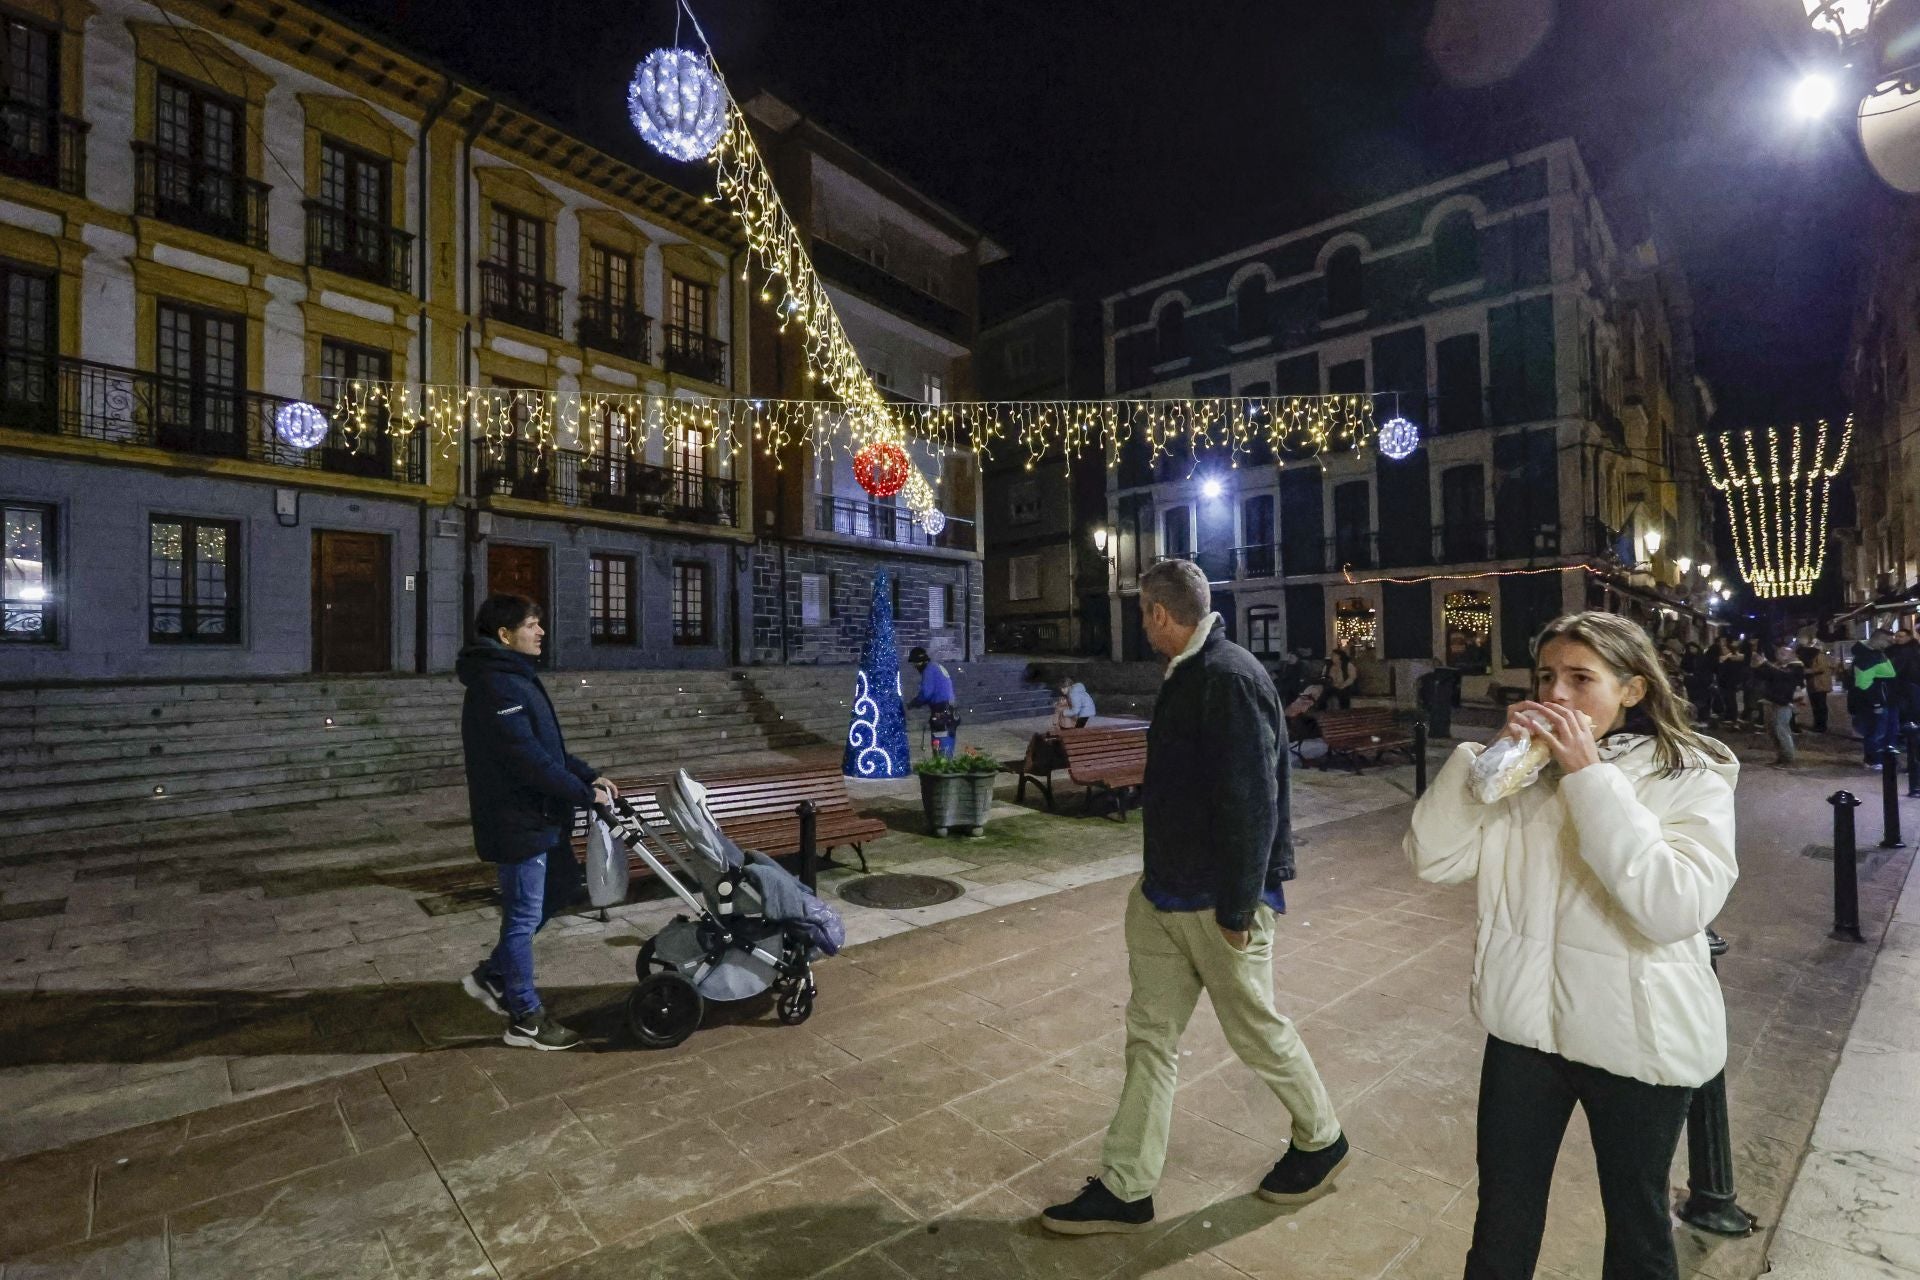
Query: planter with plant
x=957, y=791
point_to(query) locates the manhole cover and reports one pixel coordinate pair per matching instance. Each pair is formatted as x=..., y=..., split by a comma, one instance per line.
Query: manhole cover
x=897, y=893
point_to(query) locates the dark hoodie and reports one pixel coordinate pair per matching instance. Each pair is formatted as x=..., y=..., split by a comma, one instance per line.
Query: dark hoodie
x=522, y=786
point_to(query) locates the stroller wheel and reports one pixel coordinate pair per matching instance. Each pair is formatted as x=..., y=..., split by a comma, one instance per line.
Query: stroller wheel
x=796, y=1003
x=664, y=1010
x=643, y=961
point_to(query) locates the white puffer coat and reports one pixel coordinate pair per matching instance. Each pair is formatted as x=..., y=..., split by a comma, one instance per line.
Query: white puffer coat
x=1595, y=891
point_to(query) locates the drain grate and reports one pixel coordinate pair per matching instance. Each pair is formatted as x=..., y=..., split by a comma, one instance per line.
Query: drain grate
x=899, y=892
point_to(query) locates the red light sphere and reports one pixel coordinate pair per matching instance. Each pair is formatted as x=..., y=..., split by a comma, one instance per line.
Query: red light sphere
x=882, y=468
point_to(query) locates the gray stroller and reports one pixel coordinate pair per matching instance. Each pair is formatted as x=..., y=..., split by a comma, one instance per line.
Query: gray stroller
x=754, y=928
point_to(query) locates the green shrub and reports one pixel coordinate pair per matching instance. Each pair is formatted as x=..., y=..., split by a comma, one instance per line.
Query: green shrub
x=968, y=761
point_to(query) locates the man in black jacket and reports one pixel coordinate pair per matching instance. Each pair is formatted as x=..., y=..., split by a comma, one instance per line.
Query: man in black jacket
x=522, y=789
x=1218, y=849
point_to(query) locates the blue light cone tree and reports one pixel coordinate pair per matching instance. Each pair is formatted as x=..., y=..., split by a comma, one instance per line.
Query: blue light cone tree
x=877, y=733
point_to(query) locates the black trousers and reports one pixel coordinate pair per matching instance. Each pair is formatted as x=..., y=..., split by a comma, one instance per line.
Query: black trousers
x=1526, y=1098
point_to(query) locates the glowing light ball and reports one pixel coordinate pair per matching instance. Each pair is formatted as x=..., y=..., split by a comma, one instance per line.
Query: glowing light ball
x=881, y=468
x=934, y=522
x=300, y=424
x=677, y=104
x=1398, y=438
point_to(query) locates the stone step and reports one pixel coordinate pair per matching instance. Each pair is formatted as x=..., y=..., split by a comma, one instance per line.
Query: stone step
x=291, y=689
x=97, y=805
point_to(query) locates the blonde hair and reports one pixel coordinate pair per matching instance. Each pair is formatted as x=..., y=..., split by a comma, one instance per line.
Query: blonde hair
x=1628, y=651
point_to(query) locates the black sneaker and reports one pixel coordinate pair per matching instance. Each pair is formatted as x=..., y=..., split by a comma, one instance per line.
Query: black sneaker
x=486, y=990
x=1097, y=1210
x=1300, y=1176
x=538, y=1030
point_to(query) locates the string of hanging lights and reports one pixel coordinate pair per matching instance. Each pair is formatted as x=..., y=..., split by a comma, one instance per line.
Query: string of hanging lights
x=1778, y=484
x=1240, y=430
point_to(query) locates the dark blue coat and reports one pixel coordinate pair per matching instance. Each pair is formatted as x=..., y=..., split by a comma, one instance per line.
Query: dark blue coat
x=522, y=786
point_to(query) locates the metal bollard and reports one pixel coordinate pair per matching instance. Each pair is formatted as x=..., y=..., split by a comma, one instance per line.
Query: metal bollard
x=1846, y=877
x=1419, y=758
x=1913, y=761
x=1710, y=1203
x=1890, y=800
x=809, y=857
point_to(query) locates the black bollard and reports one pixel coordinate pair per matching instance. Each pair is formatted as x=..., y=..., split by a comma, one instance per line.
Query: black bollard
x=809, y=871
x=1710, y=1203
x=1846, y=881
x=1419, y=758
x=1913, y=761
x=1890, y=800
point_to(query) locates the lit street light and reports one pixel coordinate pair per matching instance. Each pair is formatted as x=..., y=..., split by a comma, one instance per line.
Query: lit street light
x=1100, y=539
x=1814, y=95
x=1683, y=563
x=1211, y=488
x=1714, y=586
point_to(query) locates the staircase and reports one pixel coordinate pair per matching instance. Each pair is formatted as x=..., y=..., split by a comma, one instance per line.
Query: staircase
x=74, y=758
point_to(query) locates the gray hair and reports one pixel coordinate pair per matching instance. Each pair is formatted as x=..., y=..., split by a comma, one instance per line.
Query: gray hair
x=1180, y=587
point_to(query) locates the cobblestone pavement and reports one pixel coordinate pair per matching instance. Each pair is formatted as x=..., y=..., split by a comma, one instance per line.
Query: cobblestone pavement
x=956, y=1076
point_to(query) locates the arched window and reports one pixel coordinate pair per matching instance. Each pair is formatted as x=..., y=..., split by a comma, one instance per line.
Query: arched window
x=1456, y=249
x=1344, y=292
x=1173, y=331
x=1251, y=307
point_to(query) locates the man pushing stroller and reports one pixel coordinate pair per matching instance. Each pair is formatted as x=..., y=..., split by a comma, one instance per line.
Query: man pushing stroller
x=522, y=789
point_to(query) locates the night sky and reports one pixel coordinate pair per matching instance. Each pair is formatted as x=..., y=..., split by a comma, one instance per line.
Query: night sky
x=1103, y=140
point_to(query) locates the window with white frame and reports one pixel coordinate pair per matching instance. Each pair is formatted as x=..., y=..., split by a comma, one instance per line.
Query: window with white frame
x=1023, y=578
x=27, y=575
x=1263, y=630
x=934, y=389
x=813, y=599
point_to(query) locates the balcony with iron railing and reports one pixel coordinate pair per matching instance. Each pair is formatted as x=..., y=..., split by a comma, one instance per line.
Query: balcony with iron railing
x=364, y=248
x=38, y=144
x=695, y=354
x=884, y=522
x=523, y=470
x=618, y=328
x=1454, y=544
x=200, y=197
x=517, y=298
x=83, y=400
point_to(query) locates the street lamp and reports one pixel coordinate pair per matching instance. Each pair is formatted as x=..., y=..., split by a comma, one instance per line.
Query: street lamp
x=1706, y=570
x=1727, y=594
x=1100, y=539
x=1864, y=62
x=1814, y=95
x=1844, y=19
x=1211, y=488
x=1651, y=540
x=1714, y=586
x=1683, y=563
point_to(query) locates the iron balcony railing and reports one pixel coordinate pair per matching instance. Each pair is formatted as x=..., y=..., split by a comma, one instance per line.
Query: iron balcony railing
x=883, y=522
x=521, y=469
x=1477, y=543
x=40, y=145
x=620, y=329
x=80, y=399
x=364, y=248
x=514, y=297
x=695, y=354
x=199, y=196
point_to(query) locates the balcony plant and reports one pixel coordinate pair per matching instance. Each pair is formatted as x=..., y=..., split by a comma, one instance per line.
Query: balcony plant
x=956, y=792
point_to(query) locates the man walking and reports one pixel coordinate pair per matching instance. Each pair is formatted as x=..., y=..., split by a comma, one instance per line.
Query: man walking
x=522, y=789
x=1218, y=845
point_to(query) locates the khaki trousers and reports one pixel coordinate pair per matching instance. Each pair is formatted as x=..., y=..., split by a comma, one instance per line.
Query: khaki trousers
x=1172, y=956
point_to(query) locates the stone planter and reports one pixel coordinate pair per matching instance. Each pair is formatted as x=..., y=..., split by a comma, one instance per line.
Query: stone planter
x=957, y=801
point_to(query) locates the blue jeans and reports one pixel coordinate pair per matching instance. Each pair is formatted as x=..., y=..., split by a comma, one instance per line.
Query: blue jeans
x=1782, y=715
x=1876, y=729
x=532, y=892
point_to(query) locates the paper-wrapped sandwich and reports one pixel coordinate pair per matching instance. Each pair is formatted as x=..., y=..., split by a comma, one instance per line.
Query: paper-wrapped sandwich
x=1510, y=763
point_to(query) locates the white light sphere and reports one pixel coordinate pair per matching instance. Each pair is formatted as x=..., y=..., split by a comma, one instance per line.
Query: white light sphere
x=1814, y=96
x=300, y=424
x=677, y=104
x=1399, y=438
x=1212, y=488
x=934, y=522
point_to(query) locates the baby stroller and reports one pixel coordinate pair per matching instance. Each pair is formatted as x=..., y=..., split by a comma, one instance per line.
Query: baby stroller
x=754, y=927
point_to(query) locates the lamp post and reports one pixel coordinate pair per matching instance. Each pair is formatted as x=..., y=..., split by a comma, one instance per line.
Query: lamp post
x=1862, y=60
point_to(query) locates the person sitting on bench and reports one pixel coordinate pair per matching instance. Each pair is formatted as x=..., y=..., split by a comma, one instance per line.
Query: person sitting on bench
x=1074, y=705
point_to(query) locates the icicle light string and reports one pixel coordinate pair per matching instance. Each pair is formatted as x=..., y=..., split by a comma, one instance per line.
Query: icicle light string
x=1239, y=429
x=1779, y=496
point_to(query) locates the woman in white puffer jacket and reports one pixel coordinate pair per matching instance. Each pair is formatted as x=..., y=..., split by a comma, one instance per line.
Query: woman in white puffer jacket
x=1590, y=971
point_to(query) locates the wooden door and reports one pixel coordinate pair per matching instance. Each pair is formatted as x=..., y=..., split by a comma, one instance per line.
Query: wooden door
x=352, y=605
x=522, y=571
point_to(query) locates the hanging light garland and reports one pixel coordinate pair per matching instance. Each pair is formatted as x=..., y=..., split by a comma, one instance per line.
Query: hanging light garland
x=1469, y=611
x=1246, y=430
x=1778, y=486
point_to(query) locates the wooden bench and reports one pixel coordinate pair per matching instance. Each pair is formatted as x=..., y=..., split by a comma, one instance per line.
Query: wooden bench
x=1109, y=760
x=757, y=811
x=1368, y=733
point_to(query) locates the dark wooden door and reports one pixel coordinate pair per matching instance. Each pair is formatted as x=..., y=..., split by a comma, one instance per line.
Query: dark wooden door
x=352, y=606
x=522, y=571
